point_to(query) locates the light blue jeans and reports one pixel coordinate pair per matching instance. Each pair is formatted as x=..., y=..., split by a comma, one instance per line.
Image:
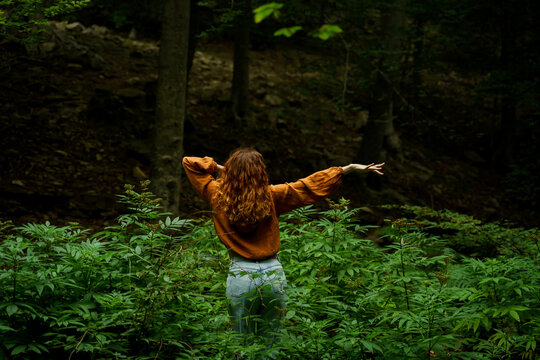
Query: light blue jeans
x=257, y=296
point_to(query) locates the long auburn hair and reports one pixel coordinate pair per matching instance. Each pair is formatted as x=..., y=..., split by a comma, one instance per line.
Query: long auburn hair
x=242, y=191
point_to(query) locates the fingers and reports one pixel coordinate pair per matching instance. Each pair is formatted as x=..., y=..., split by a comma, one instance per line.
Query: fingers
x=377, y=169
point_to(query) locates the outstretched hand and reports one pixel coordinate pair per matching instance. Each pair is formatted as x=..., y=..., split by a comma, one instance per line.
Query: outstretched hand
x=376, y=168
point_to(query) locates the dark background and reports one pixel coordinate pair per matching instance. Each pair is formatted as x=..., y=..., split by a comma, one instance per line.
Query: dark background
x=78, y=103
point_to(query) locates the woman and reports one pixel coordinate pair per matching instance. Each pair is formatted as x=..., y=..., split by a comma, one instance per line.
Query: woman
x=245, y=213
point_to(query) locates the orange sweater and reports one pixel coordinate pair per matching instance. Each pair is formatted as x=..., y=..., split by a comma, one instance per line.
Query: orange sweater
x=262, y=241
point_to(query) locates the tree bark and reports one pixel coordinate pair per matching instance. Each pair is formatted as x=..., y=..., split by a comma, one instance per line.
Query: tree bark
x=194, y=28
x=240, y=82
x=171, y=103
x=380, y=124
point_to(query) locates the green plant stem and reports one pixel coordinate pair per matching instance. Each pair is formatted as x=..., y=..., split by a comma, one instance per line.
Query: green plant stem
x=78, y=344
x=15, y=270
x=403, y=273
x=429, y=327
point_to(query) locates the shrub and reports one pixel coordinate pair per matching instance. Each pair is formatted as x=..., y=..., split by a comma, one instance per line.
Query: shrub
x=153, y=287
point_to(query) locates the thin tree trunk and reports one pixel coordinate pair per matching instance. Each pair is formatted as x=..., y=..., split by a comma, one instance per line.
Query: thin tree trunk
x=418, y=64
x=171, y=103
x=240, y=82
x=380, y=124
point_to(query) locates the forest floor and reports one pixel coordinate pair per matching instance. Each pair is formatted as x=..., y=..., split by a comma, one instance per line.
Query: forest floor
x=77, y=113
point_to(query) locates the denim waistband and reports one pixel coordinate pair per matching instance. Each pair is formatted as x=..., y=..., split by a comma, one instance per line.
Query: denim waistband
x=237, y=257
x=243, y=264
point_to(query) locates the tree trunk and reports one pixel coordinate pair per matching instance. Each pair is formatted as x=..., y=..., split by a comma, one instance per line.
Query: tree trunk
x=507, y=129
x=380, y=124
x=240, y=82
x=418, y=64
x=194, y=28
x=171, y=103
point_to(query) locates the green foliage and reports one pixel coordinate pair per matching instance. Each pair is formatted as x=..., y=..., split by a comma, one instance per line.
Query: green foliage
x=287, y=32
x=523, y=177
x=153, y=287
x=263, y=11
x=24, y=19
x=469, y=236
x=325, y=32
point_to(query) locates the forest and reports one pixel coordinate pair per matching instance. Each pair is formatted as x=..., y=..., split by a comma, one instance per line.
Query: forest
x=107, y=252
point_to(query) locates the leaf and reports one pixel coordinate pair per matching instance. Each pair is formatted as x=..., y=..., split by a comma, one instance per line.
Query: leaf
x=17, y=182
x=331, y=28
x=262, y=12
x=290, y=314
x=39, y=289
x=514, y=314
x=367, y=345
x=12, y=309
x=476, y=324
x=34, y=348
x=287, y=32
x=139, y=173
x=19, y=349
x=6, y=328
x=327, y=31
x=340, y=275
x=261, y=15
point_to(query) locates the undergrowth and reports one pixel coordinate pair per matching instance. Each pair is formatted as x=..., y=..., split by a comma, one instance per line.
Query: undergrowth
x=153, y=287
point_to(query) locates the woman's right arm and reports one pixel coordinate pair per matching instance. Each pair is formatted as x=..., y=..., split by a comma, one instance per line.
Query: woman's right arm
x=199, y=172
x=376, y=168
x=306, y=191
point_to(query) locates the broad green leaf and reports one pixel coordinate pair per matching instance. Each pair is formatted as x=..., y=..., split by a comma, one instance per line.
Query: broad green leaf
x=327, y=31
x=367, y=345
x=262, y=12
x=290, y=314
x=514, y=314
x=19, y=349
x=11, y=309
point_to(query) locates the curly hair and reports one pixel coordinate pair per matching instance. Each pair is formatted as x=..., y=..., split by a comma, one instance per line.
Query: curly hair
x=242, y=191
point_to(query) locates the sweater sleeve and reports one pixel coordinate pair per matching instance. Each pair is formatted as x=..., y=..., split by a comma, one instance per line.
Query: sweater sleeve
x=199, y=172
x=306, y=191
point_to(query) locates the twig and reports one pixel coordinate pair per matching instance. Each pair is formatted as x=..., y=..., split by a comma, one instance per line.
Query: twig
x=346, y=75
x=78, y=344
x=160, y=346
